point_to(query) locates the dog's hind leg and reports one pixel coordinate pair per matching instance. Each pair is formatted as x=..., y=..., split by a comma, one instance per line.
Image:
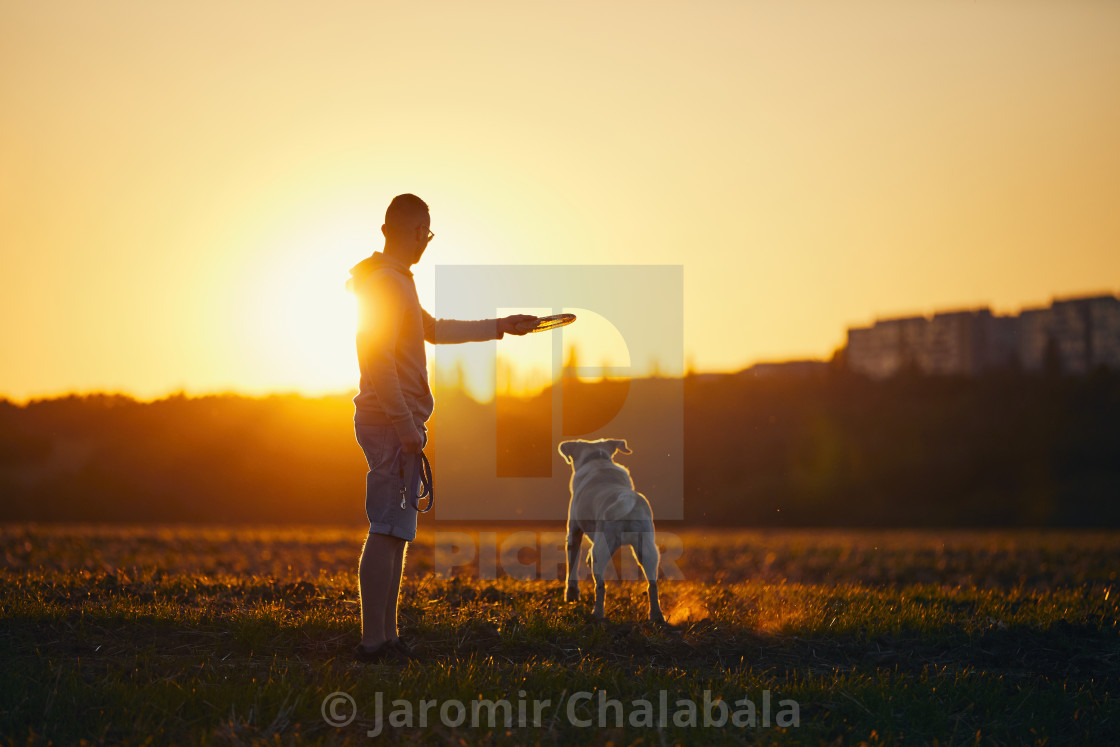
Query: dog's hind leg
x=575, y=538
x=601, y=553
x=645, y=550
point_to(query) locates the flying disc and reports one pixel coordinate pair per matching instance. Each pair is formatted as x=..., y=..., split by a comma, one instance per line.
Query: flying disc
x=552, y=322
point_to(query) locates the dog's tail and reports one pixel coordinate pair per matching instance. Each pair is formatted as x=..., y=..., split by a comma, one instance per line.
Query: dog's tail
x=621, y=506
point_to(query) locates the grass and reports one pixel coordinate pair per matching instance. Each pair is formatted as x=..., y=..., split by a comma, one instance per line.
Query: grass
x=211, y=635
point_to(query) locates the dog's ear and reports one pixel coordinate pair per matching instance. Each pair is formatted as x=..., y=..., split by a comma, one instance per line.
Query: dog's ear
x=565, y=448
x=621, y=446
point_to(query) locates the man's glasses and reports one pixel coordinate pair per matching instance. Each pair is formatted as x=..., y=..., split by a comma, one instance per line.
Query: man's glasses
x=430, y=234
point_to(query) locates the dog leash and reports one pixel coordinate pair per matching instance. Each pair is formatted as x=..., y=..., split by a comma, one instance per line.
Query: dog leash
x=420, y=485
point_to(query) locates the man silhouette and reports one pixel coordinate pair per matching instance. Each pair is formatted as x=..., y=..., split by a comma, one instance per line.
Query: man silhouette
x=393, y=404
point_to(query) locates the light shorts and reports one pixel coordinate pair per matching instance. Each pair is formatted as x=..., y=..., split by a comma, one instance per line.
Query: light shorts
x=383, y=484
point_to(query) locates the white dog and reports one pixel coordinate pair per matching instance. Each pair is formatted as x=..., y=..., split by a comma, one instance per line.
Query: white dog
x=611, y=513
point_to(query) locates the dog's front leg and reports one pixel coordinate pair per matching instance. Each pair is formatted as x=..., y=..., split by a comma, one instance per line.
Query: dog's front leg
x=575, y=538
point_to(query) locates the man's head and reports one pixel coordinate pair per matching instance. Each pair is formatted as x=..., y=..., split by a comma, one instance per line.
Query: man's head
x=407, y=228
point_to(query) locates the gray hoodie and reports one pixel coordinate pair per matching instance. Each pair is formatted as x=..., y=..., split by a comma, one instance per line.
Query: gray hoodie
x=392, y=328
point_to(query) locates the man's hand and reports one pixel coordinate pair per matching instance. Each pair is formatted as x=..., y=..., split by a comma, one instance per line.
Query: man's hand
x=518, y=324
x=412, y=443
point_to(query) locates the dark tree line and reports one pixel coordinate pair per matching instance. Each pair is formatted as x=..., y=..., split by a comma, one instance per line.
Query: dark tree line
x=918, y=451
x=838, y=450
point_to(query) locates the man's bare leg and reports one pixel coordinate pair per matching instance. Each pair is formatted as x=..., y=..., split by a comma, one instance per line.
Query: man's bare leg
x=381, y=559
x=392, y=603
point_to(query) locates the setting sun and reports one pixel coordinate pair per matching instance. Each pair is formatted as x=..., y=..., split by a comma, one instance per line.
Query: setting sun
x=298, y=321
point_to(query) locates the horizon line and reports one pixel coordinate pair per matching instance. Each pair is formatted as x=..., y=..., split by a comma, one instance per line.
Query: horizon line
x=186, y=393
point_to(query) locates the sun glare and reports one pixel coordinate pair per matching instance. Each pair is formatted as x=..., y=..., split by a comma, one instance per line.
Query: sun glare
x=299, y=319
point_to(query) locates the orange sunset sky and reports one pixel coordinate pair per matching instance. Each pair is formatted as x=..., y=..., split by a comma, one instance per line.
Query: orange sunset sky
x=184, y=186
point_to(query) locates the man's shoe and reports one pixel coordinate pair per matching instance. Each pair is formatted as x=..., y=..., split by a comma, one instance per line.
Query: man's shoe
x=403, y=649
x=386, y=653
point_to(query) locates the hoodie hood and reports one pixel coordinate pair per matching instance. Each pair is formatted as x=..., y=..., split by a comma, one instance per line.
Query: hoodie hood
x=377, y=261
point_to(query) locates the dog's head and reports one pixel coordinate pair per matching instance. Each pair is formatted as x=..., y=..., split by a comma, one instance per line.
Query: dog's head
x=580, y=452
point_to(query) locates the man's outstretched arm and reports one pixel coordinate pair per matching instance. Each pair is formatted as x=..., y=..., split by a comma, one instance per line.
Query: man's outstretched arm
x=452, y=331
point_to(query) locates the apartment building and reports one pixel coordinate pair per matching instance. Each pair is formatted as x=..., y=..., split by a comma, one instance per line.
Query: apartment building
x=1075, y=334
